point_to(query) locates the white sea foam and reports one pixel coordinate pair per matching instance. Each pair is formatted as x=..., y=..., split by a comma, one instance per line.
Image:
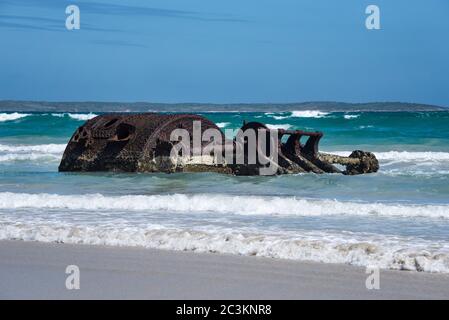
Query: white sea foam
x=432, y=172
x=29, y=157
x=414, y=156
x=223, y=124
x=355, y=249
x=280, y=117
x=309, y=114
x=219, y=204
x=82, y=117
x=297, y=114
x=351, y=116
x=52, y=150
x=42, y=152
x=405, y=156
x=76, y=116
x=43, y=148
x=12, y=116
x=277, y=116
x=278, y=126
x=59, y=115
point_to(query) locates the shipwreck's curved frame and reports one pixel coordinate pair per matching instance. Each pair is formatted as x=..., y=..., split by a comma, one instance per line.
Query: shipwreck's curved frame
x=143, y=143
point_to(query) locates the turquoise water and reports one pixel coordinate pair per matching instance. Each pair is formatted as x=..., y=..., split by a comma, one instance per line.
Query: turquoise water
x=421, y=131
x=397, y=218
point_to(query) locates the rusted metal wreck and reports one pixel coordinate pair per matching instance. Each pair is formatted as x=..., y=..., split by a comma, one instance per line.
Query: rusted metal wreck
x=144, y=143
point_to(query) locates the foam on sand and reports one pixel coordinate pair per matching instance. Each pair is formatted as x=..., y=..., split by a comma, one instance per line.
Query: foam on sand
x=354, y=249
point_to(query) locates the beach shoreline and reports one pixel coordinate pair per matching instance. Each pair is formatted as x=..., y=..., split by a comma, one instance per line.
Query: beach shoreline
x=35, y=270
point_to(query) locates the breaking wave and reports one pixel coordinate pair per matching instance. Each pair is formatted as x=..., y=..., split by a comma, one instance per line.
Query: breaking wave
x=309, y=114
x=351, y=116
x=219, y=204
x=405, y=156
x=297, y=114
x=306, y=114
x=350, y=248
x=43, y=148
x=12, y=116
x=42, y=152
x=29, y=157
x=52, y=151
x=278, y=126
x=223, y=124
x=76, y=116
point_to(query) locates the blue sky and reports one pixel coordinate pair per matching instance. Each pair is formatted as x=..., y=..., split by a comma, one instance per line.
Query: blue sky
x=225, y=51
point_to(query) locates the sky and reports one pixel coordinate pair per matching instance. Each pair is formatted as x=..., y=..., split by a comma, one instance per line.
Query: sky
x=225, y=51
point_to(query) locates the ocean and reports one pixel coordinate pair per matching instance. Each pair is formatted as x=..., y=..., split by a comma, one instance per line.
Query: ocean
x=397, y=218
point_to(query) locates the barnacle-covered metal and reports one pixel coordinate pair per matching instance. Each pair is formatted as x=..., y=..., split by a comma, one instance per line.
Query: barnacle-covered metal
x=144, y=143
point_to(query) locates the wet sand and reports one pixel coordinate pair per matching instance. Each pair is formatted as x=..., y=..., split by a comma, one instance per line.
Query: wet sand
x=33, y=270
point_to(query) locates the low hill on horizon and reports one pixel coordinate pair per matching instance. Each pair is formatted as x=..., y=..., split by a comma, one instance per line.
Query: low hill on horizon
x=325, y=106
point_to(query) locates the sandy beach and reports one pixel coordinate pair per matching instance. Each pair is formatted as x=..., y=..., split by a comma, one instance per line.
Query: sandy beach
x=34, y=270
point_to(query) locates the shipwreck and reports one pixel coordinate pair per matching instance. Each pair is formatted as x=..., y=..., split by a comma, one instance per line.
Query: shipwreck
x=154, y=142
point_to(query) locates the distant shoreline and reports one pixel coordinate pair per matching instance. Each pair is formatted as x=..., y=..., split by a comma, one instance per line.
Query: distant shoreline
x=42, y=106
